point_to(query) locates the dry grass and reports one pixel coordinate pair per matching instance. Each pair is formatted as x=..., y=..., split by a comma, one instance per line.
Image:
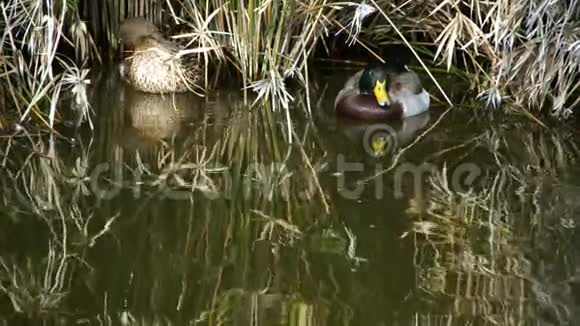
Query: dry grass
x=33, y=36
x=267, y=42
x=521, y=53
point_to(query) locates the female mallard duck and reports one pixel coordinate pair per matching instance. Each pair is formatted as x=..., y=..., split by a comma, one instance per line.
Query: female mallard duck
x=154, y=65
x=382, y=92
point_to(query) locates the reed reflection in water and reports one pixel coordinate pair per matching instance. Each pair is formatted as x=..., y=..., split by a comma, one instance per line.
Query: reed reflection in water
x=213, y=217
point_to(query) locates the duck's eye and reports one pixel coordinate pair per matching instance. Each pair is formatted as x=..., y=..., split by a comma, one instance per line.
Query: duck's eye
x=381, y=94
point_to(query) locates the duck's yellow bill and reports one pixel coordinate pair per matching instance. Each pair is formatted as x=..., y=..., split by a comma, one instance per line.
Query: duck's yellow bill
x=381, y=93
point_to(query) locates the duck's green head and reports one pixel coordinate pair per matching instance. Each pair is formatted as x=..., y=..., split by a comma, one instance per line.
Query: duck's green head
x=374, y=81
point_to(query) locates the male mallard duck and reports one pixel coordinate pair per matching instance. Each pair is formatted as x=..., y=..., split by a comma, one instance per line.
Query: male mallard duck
x=153, y=65
x=365, y=96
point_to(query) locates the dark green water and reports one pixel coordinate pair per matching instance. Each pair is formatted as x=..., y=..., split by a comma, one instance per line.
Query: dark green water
x=185, y=211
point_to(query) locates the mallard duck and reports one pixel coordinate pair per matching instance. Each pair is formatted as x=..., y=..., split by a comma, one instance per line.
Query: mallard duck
x=382, y=92
x=153, y=64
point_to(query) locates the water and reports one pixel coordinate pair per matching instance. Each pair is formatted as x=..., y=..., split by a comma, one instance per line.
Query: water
x=187, y=211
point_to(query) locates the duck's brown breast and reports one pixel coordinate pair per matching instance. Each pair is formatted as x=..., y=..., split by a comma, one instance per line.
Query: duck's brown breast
x=365, y=107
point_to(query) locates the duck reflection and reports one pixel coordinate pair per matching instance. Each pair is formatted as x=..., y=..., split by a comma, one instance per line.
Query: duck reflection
x=376, y=216
x=153, y=119
x=379, y=139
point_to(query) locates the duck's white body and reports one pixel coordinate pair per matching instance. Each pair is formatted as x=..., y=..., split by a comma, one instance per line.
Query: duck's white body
x=406, y=89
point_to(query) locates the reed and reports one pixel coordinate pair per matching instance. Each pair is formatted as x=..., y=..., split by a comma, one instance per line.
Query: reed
x=35, y=69
x=521, y=54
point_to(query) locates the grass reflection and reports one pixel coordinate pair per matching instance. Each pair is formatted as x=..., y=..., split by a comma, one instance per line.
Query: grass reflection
x=178, y=211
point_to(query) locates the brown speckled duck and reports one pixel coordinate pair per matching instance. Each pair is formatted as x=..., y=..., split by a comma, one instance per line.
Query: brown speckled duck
x=153, y=64
x=382, y=92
